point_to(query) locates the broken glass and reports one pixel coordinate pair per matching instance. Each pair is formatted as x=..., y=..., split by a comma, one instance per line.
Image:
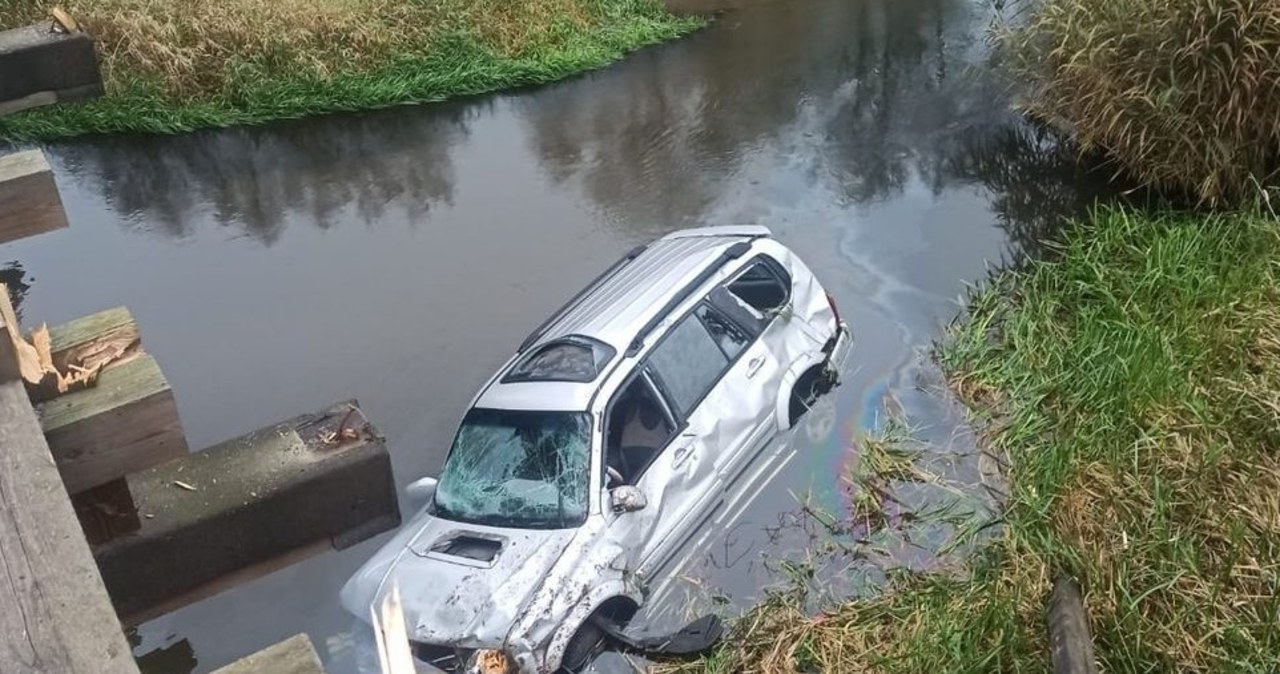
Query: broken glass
x=524, y=469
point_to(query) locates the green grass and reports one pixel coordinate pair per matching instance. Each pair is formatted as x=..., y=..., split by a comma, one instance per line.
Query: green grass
x=1133, y=384
x=168, y=70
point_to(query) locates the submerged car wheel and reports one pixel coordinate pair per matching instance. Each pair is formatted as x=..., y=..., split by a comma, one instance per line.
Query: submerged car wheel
x=813, y=384
x=591, y=638
x=583, y=648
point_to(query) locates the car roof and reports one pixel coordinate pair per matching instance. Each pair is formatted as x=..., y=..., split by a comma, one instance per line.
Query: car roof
x=616, y=308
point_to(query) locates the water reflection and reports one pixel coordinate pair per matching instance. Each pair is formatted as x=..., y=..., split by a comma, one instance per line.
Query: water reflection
x=14, y=276
x=879, y=92
x=874, y=96
x=256, y=181
x=1035, y=180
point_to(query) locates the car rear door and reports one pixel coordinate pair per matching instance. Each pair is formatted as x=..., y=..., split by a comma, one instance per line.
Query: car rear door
x=755, y=302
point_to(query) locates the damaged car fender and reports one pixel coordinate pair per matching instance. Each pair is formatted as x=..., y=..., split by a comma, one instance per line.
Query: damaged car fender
x=582, y=612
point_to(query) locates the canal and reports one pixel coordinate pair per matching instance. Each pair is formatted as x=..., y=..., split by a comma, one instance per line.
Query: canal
x=398, y=257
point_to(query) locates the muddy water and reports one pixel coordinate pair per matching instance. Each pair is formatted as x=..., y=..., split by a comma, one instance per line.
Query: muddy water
x=398, y=257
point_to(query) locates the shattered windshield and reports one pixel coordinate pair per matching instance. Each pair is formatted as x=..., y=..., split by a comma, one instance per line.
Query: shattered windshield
x=517, y=469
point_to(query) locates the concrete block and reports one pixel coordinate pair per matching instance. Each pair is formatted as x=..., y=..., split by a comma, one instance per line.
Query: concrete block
x=35, y=60
x=248, y=506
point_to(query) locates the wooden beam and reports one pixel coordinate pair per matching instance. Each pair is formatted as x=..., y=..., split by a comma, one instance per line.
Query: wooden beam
x=39, y=65
x=294, y=655
x=29, y=200
x=126, y=423
x=55, y=617
x=247, y=506
x=10, y=336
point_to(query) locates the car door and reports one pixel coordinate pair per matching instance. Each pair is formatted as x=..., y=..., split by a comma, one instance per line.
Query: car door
x=754, y=303
x=689, y=366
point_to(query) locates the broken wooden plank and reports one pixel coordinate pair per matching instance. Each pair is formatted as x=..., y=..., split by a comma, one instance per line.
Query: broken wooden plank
x=36, y=61
x=294, y=655
x=18, y=358
x=29, y=200
x=55, y=616
x=126, y=423
x=85, y=340
x=258, y=502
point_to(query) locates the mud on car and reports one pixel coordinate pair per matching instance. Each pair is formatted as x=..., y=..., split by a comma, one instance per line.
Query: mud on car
x=594, y=454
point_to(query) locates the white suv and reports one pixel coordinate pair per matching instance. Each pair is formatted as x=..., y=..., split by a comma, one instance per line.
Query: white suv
x=591, y=458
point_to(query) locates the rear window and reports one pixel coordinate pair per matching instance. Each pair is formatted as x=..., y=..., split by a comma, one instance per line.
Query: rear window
x=578, y=359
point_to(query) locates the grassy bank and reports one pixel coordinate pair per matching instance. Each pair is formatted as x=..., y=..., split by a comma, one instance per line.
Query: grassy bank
x=1133, y=384
x=176, y=65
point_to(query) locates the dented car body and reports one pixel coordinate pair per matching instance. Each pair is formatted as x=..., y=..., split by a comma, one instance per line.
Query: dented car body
x=592, y=457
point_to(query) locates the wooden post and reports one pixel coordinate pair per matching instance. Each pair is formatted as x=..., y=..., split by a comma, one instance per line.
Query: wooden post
x=1070, y=646
x=39, y=66
x=126, y=423
x=55, y=617
x=29, y=200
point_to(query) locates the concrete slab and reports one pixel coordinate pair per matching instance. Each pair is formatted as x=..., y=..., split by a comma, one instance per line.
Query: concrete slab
x=245, y=507
x=34, y=59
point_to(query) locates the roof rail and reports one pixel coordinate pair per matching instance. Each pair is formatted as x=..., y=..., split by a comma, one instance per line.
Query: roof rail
x=613, y=268
x=733, y=252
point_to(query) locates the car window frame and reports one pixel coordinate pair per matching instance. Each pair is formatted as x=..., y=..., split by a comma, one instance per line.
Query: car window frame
x=682, y=419
x=677, y=424
x=780, y=274
x=644, y=367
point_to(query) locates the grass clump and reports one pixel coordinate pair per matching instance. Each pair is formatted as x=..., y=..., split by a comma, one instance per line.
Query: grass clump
x=1135, y=384
x=1180, y=94
x=176, y=65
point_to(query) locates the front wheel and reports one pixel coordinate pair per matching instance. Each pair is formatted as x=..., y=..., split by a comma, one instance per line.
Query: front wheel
x=587, y=643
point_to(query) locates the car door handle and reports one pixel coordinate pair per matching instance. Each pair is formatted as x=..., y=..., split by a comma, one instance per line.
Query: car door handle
x=681, y=457
x=754, y=365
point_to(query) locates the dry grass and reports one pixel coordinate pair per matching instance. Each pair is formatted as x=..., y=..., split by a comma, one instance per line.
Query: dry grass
x=1137, y=380
x=173, y=65
x=1181, y=94
x=195, y=46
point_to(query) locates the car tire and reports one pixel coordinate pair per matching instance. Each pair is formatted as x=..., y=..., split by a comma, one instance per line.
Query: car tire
x=809, y=387
x=586, y=644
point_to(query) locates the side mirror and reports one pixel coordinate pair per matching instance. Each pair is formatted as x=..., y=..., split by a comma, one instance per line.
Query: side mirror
x=627, y=499
x=420, y=491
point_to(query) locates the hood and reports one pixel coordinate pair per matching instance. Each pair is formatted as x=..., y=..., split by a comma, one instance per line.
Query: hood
x=460, y=584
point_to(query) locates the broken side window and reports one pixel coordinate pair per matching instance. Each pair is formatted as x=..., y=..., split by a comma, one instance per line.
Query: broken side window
x=763, y=287
x=517, y=468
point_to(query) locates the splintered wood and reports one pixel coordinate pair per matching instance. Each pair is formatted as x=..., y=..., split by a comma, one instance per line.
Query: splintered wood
x=48, y=375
